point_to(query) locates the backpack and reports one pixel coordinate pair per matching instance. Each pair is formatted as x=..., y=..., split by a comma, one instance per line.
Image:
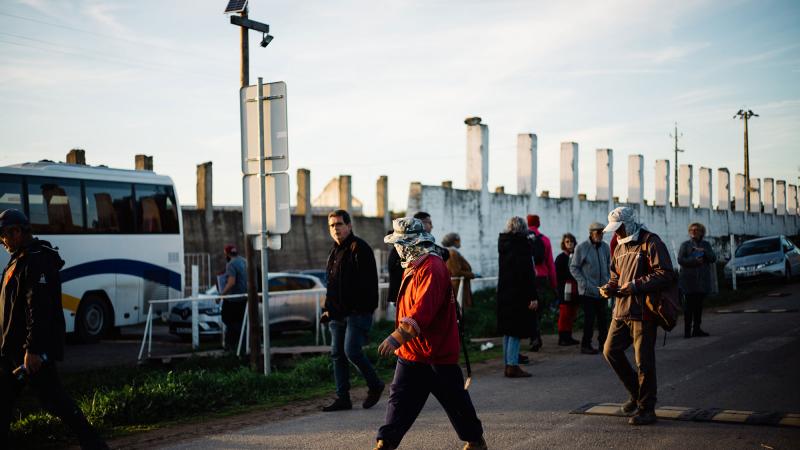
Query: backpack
x=664, y=305
x=537, y=246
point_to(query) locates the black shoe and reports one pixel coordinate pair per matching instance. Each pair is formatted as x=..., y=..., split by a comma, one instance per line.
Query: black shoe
x=699, y=333
x=522, y=359
x=339, y=404
x=589, y=350
x=629, y=408
x=643, y=417
x=536, y=344
x=372, y=397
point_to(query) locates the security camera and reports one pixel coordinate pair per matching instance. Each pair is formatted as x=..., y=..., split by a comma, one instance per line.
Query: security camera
x=266, y=40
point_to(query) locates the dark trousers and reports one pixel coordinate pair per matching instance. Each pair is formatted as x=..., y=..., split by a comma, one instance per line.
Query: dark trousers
x=412, y=384
x=693, y=313
x=594, y=310
x=641, y=384
x=232, y=315
x=542, y=284
x=53, y=399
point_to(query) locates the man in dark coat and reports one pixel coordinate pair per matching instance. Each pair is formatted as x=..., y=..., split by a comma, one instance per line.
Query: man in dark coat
x=516, y=293
x=349, y=304
x=32, y=329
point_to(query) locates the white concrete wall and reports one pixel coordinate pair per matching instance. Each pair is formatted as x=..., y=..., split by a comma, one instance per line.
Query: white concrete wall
x=526, y=163
x=791, y=202
x=723, y=189
x=662, y=182
x=780, y=197
x=768, y=195
x=704, y=186
x=635, y=179
x=755, y=195
x=738, y=192
x=685, y=185
x=569, y=170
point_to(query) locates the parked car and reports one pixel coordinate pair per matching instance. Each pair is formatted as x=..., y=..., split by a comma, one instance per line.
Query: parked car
x=764, y=258
x=286, y=312
x=319, y=273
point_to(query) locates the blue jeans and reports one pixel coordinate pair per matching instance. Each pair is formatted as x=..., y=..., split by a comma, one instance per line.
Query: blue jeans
x=347, y=337
x=511, y=350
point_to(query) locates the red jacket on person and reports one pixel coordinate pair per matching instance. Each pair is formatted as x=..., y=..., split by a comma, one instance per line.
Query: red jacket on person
x=426, y=302
x=546, y=268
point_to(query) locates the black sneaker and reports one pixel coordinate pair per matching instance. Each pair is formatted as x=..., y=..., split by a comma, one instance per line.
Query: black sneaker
x=589, y=350
x=522, y=359
x=629, y=408
x=699, y=333
x=536, y=344
x=339, y=404
x=372, y=397
x=643, y=417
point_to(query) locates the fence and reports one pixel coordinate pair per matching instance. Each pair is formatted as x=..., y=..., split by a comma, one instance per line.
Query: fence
x=203, y=263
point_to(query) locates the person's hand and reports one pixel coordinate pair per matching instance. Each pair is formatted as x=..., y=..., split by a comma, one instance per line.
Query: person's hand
x=325, y=317
x=33, y=362
x=533, y=305
x=626, y=289
x=388, y=346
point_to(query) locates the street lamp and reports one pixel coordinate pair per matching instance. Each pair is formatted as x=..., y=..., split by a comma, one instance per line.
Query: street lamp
x=745, y=115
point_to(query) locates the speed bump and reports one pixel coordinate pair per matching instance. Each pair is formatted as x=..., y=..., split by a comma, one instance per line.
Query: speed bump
x=772, y=418
x=756, y=311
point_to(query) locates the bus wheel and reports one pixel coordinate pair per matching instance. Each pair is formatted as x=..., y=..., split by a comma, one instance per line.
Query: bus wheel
x=93, y=320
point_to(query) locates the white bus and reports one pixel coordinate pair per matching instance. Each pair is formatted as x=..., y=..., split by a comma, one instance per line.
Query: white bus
x=119, y=231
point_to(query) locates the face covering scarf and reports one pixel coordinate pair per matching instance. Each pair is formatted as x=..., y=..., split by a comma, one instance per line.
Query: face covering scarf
x=409, y=253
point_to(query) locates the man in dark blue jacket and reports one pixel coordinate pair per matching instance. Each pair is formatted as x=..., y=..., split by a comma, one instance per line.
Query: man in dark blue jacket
x=32, y=329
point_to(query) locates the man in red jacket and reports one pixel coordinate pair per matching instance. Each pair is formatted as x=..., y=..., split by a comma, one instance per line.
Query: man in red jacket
x=426, y=342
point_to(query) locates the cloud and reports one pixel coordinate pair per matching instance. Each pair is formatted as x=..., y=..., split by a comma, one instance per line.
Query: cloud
x=102, y=13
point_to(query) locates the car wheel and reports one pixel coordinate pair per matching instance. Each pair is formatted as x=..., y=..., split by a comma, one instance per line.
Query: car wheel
x=93, y=319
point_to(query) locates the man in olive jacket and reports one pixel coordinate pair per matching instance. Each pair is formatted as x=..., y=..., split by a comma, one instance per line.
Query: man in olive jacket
x=32, y=329
x=349, y=304
x=640, y=269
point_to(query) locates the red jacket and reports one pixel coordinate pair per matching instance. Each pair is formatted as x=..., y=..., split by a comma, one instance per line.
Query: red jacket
x=427, y=303
x=548, y=267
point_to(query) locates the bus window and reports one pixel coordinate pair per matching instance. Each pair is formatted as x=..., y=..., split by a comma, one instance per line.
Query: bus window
x=155, y=208
x=10, y=192
x=54, y=205
x=109, y=207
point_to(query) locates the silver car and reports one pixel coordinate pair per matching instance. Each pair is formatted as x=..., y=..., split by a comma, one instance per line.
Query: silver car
x=764, y=258
x=287, y=310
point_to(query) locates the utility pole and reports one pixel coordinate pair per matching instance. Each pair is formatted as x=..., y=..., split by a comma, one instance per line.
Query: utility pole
x=745, y=115
x=245, y=25
x=675, y=136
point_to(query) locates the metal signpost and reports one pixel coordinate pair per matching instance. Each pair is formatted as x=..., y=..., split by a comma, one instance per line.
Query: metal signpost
x=266, y=203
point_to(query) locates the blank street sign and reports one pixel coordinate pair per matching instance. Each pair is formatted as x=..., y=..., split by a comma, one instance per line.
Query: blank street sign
x=279, y=220
x=276, y=135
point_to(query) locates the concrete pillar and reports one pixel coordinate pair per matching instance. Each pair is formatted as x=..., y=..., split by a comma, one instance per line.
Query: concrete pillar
x=346, y=193
x=739, y=192
x=477, y=154
x=704, y=185
x=569, y=169
x=76, y=156
x=204, y=190
x=723, y=189
x=662, y=182
x=780, y=197
x=768, y=195
x=791, y=202
x=500, y=190
x=447, y=184
x=636, y=179
x=382, y=191
x=605, y=176
x=685, y=185
x=755, y=195
x=143, y=162
x=304, y=195
x=526, y=164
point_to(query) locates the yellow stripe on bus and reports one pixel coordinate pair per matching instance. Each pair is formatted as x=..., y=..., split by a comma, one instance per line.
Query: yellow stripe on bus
x=69, y=302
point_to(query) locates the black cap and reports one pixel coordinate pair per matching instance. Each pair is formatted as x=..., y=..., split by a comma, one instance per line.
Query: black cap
x=11, y=217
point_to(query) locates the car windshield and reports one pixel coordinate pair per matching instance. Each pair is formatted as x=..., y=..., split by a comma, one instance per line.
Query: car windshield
x=758, y=247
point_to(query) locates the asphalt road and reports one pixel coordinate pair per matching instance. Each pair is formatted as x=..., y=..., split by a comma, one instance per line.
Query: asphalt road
x=749, y=363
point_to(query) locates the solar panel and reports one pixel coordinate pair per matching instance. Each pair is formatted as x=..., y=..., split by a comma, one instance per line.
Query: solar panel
x=236, y=6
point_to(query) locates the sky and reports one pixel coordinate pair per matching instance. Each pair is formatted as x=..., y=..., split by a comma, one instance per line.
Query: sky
x=382, y=88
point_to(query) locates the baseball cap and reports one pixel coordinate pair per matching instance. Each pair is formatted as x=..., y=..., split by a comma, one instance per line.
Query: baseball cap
x=617, y=217
x=231, y=249
x=11, y=217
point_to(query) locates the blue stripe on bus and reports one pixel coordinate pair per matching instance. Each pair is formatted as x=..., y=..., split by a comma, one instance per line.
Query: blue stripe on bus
x=140, y=269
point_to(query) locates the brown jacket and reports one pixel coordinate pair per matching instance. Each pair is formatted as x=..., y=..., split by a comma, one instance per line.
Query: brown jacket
x=459, y=267
x=645, y=263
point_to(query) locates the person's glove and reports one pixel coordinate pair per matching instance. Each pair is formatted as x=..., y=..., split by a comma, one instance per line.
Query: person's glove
x=388, y=346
